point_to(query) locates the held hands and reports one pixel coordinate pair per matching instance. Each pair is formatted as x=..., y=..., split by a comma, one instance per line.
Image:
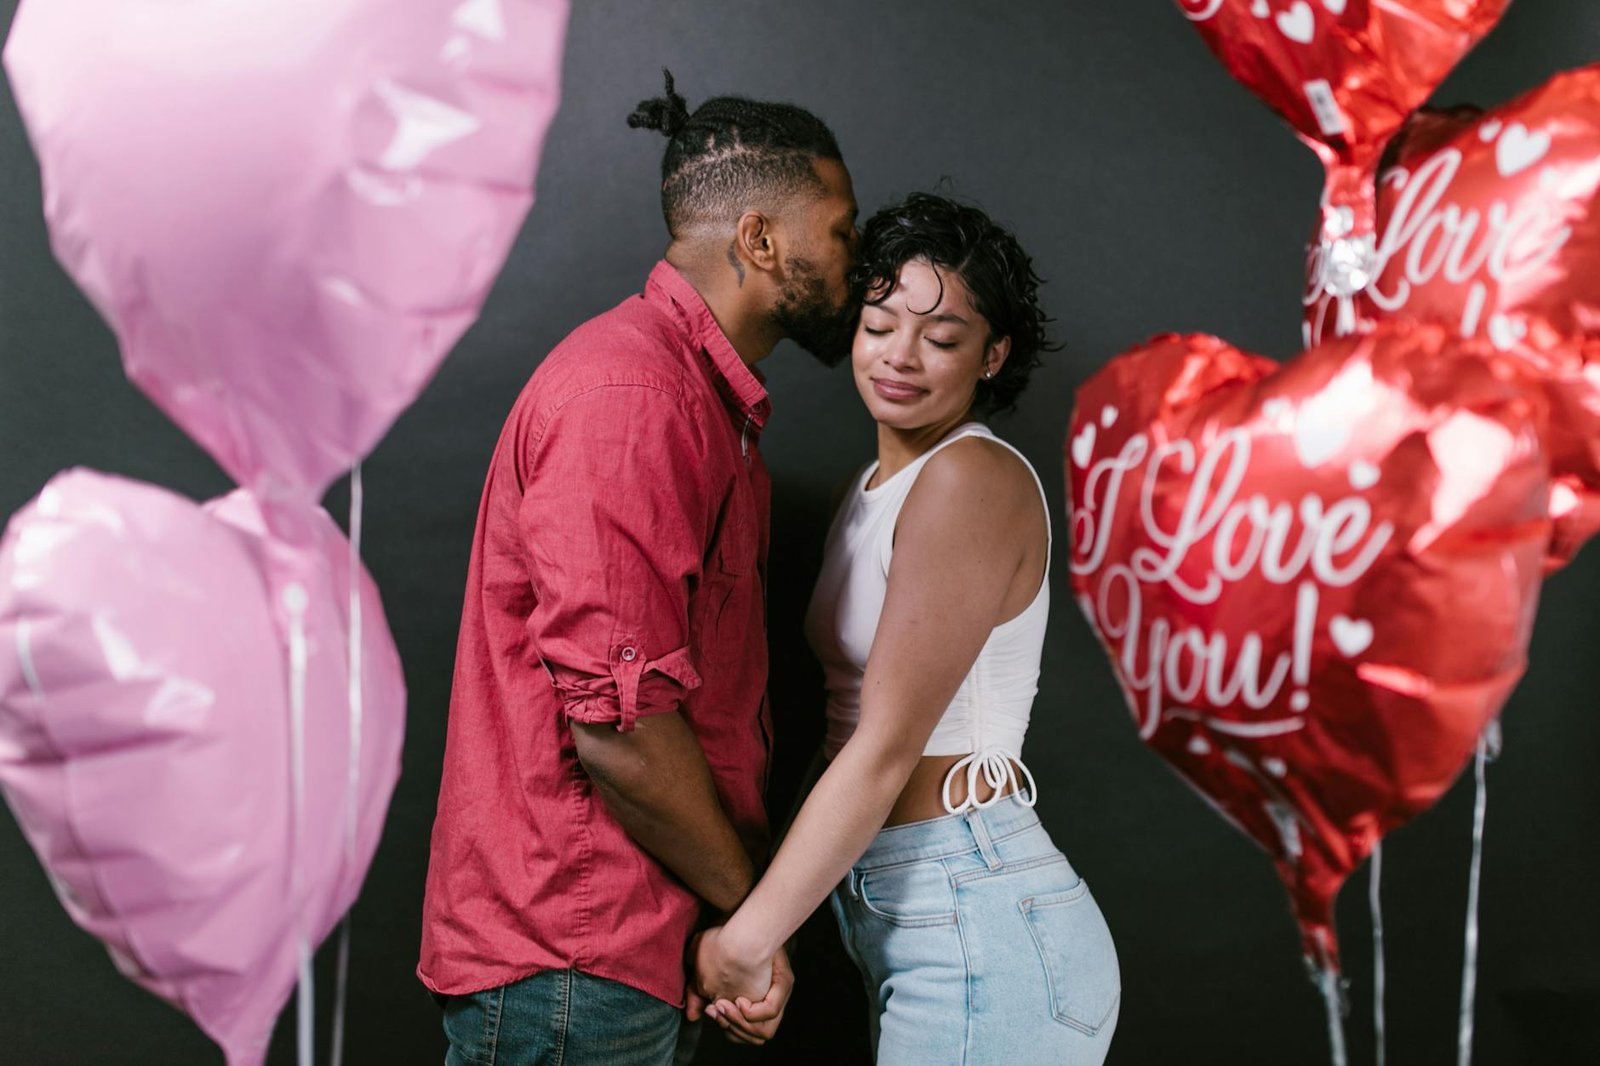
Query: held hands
x=743, y=995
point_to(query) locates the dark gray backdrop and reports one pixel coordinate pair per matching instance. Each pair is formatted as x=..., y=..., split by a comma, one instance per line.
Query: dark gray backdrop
x=1155, y=194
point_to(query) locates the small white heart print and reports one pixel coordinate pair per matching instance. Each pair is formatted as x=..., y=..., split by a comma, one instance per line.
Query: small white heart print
x=1298, y=23
x=1363, y=475
x=1505, y=331
x=1083, y=446
x=1518, y=149
x=1351, y=636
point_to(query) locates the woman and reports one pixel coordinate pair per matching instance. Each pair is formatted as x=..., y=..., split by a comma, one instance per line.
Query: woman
x=978, y=942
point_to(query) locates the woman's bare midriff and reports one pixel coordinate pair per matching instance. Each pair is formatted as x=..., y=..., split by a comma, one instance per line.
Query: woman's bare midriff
x=923, y=796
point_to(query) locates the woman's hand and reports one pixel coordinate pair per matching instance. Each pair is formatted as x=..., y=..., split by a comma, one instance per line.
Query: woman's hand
x=722, y=972
x=756, y=1023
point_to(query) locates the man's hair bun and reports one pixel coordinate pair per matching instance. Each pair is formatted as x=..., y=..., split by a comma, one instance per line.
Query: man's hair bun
x=667, y=113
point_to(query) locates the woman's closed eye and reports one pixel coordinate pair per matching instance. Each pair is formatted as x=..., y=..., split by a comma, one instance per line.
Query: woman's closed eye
x=883, y=331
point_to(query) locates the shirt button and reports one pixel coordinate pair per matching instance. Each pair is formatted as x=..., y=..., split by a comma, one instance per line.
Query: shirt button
x=628, y=655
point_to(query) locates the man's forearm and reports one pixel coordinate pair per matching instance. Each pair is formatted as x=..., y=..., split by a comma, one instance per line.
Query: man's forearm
x=654, y=780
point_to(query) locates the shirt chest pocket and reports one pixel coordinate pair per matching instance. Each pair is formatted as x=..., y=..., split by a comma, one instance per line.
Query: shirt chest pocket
x=730, y=593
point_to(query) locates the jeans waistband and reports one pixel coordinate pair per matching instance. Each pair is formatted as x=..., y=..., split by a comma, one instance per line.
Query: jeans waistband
x=952, y=834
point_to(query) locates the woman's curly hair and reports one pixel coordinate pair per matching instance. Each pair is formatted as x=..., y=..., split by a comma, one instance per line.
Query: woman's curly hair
x=989, y=261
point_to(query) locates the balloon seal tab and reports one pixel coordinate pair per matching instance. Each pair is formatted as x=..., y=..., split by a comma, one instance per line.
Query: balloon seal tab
x=295, y=599
x=1349, y=262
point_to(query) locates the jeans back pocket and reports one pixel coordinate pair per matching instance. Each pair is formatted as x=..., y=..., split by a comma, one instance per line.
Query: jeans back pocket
x=1079, y=958
x=472, y=1025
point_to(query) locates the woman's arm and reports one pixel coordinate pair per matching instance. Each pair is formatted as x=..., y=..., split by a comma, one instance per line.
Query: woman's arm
x=962, y=536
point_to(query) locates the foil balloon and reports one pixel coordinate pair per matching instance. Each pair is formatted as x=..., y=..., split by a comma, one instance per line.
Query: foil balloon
x=1344, y=74
x=1316, y=583
x=1490, y=224
x=177, y=739
x=287, y=210
x=1330, y=314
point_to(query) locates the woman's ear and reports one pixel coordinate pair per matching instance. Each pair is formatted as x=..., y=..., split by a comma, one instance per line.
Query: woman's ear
x=994, y=356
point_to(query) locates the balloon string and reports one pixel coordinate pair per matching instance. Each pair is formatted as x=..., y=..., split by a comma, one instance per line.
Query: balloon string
x=1328, y=978
x=305, y=1011
x=296, y=601
x=353, y=769
x=1469, y=966
x=352, y=783
x=1373, y=899
x=1345, y=324
x=341, y=991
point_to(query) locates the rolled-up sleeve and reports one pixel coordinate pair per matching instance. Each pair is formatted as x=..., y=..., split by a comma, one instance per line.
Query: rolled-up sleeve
x=614, y=522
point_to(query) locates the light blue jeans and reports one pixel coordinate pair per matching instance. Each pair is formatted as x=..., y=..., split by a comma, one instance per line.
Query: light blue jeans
x=979, y=944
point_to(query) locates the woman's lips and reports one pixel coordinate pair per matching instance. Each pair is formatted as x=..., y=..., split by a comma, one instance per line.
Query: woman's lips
x=896, y=390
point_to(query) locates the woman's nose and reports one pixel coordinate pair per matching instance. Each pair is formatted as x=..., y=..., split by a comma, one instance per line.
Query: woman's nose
x=900, y=352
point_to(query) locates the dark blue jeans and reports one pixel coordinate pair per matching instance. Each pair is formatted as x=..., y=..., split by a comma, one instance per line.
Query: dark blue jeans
x=565, y=1018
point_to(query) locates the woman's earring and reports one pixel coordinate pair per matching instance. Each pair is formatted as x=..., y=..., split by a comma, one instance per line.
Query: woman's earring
x=988, y=375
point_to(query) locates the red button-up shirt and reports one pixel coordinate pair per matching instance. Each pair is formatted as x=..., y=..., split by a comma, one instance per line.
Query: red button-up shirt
x=618, y=570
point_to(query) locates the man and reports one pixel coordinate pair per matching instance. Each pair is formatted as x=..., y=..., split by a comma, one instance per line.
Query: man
x=609, y=738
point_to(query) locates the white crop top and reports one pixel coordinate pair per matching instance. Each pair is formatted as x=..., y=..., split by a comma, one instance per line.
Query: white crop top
x=988, y=718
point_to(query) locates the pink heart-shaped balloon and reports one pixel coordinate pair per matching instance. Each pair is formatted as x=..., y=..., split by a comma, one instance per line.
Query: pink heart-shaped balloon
x=1489, y=224
x=1316, y=583
x=287, y=210
x=149, y=728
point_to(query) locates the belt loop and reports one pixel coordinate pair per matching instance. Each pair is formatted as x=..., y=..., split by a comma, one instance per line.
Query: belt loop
x=980, y=835
x=850, y=883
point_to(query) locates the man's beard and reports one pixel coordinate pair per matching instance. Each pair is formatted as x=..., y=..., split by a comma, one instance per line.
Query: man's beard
x=810, y=319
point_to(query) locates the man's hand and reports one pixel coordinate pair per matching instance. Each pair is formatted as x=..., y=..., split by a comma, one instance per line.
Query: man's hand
x=749, y=996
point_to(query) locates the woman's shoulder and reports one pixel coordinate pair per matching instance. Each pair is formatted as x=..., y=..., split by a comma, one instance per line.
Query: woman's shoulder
x=974, y=505
x=979, y=457
x=977, y=469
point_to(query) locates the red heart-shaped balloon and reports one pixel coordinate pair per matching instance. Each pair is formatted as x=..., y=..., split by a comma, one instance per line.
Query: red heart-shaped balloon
x=1345, y=74
x=1316, y=583
x=1490, y=224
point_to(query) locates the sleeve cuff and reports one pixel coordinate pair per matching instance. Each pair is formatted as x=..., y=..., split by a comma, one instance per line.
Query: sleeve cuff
x=634, y=687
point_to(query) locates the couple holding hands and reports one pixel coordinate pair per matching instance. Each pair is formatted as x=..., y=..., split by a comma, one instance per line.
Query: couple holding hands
x=600, y=874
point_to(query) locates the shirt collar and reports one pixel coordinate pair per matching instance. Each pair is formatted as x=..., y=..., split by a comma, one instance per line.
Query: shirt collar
x=740, y=385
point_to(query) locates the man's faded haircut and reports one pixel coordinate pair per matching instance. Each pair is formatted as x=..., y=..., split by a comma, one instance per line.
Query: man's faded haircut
x=732, y=154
